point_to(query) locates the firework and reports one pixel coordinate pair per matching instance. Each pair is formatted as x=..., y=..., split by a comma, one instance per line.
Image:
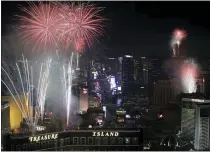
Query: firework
x=67, y=79
x=40, y=25
x=81, y=24
x=189, y=74
x=31, y=104
x=178, y=36
x=51, y=25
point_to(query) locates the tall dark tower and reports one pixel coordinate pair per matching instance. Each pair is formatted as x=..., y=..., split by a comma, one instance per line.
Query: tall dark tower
x=128, y=75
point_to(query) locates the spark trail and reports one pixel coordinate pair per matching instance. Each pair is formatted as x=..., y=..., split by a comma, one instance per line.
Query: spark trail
x=62, y=26
x=178, y=36
x=82, y=24
x=68, y=75
x=40, y=25
x=30, y=104
x=52, y=25
x=189, y=73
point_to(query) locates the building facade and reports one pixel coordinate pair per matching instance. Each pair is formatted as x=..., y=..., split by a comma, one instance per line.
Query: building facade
x=195, y=122
x=166, y=92
x=128, y=75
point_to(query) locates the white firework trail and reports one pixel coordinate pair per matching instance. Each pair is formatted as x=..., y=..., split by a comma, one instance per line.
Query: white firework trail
x=189, y=83
x=178, y=36
x=189, y=73
x=31, y=109
x=68, y=74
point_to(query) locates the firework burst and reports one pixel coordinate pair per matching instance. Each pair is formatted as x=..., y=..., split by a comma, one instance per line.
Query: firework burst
x=81, y=24
x=52, y=25
x=178, y=36
x=189, y=74
x=40, y=25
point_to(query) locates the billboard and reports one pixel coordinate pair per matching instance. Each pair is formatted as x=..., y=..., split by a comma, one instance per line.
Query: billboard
x=112, y=82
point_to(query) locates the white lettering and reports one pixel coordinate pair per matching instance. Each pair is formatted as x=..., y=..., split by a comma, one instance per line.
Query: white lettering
x=106, y=134
x=30, y=139
x=55, y=136
x=94, y=134
x=43, y=137
x=38, y=138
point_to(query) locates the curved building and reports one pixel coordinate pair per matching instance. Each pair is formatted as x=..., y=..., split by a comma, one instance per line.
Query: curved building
x=11, y=113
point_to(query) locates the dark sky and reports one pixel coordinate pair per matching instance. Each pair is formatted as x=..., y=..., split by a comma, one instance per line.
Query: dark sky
x=144, y=28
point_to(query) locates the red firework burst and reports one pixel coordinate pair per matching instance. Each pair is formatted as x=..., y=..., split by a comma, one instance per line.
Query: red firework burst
x=179, y=34
x=79, y=45
x=189, y=70
x=82, y=24
x=40, y=25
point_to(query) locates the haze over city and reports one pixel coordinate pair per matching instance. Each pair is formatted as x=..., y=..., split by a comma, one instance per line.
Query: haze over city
x=128, y=76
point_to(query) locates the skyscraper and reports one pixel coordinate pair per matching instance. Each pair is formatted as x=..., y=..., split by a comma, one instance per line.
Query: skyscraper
x=128, y=75
x=154, y=72
x=154, y=69
x=195, y=122
x=145, y=67
x=166, y=92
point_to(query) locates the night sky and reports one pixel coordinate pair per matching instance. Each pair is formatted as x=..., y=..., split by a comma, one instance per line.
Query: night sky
x=143, y=28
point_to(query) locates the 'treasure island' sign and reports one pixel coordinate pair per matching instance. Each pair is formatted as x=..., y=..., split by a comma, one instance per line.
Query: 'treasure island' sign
x=54, y=136
x=43, y=137
x=105, y=134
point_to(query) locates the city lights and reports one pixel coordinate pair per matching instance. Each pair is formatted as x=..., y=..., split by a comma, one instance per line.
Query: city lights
x=95, y=76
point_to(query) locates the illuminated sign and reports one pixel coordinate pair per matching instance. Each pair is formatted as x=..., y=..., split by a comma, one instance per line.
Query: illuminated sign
x=104, y=109
x=105, y=134
x=119, y=88
x=128, y=56
x=112, y=82
x=120, y=111
x=43, y=137
x=40, y=128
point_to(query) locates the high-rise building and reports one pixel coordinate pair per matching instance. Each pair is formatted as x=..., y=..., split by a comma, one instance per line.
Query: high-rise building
x=112, y=66
x=120, y=59
x=166, y=92
x=128, y=75
x=137, y=72
x=145, y=67
x=195, y=121
x=154, y=69
x=98, y=84
x=154, y=72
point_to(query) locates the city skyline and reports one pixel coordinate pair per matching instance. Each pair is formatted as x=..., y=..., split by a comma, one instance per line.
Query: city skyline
x=105, y=76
